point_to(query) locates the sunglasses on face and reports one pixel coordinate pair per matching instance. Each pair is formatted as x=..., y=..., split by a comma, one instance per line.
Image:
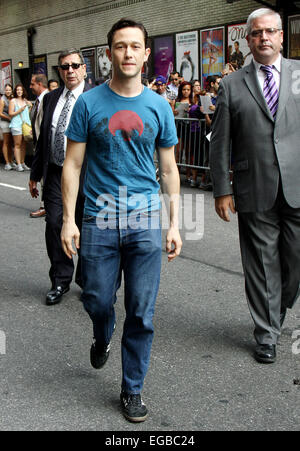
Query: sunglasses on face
x=73, y=65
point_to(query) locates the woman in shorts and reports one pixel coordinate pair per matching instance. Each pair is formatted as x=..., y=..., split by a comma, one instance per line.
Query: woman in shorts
x=18, y=110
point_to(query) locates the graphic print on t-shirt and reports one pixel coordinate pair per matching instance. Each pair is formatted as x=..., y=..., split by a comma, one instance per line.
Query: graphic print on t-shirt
x=126, y=121
x=124, y=135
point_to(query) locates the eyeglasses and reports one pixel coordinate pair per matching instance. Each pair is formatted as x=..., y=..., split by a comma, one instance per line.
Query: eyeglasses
x=268, y=31
x=73, y=65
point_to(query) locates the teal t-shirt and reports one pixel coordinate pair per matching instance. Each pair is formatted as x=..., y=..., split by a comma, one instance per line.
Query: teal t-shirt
x=121, y=134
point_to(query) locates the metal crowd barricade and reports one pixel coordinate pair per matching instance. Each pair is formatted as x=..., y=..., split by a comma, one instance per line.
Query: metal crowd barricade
x=192, y=149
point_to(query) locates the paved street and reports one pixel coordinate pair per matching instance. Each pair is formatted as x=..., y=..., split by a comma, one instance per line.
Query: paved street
x=202, y=374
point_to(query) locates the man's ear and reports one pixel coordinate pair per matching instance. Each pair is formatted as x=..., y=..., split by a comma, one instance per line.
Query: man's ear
x=147, y=54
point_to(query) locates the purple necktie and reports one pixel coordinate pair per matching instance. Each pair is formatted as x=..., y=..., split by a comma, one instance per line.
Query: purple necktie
x=270, y=89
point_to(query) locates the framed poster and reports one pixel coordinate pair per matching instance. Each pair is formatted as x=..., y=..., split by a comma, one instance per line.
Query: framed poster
x=212, y=52
x=238, y=52
x=5, y=75
x=187, y=55
x=89, y=56
x=103, y=63
x=294, y=38
x=40, y=65
x=163, y=55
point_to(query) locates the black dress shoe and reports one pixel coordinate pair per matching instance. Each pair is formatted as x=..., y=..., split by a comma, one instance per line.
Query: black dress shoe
x=265, y=353
x=54, y=296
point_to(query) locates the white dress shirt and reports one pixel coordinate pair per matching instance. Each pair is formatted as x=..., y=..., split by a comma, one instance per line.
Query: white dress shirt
x=261, y=75
x=60, y=104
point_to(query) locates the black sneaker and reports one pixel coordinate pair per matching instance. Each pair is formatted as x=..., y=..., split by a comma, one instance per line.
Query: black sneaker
x=99, y=355
x=133, y=407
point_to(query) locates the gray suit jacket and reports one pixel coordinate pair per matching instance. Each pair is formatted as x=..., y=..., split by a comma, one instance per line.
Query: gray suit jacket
x=263, y=150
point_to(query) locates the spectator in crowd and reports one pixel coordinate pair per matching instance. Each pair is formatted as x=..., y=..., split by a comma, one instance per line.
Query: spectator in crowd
x=7, y=148
x=38, y=87
x=18, y=110
x=180, y=108
x=48, y=163
x=161, y=86
x=52, y=84
x=213, y=83
x=173, y=86
x=197, y=137
x=257, y=119
x=126, y=120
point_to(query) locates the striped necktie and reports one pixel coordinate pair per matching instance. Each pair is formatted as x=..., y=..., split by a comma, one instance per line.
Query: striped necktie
x=270, y=90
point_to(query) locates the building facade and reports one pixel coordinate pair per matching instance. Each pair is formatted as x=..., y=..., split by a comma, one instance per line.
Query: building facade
x=33, y=33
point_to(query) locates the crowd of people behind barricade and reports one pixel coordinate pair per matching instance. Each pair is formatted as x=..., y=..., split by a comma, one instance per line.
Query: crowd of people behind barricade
x=186, y=100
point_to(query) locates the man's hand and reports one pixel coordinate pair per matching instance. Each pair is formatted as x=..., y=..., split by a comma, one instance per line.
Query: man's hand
x=69, y=233
x=223, y=204
x=173, y=243
x=33, y=189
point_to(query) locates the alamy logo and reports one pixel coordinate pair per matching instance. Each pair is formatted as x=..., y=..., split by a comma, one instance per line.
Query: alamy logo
x=296, y=82
x=2, y=342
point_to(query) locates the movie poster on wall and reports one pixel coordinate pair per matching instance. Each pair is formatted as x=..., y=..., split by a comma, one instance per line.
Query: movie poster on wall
x=89, y=56
x=294, y=37
x=238, y=52
x=40, y=65
x=163, y=56
x=212, y=52
x=187, y=51
x=5, y=74
x=103, y=63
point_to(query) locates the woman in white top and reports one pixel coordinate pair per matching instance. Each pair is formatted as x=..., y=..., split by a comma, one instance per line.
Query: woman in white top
x=18, y=110
x=4, y=122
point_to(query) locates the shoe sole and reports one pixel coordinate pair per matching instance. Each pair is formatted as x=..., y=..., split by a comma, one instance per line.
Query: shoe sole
x=135, y=419
x=262, y=360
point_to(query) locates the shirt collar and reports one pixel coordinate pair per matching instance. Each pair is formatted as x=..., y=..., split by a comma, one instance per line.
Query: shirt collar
x=40, y=97
x=76, y=92
x=276, y=64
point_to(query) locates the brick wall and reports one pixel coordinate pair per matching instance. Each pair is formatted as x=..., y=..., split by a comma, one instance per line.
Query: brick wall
x=62, y=24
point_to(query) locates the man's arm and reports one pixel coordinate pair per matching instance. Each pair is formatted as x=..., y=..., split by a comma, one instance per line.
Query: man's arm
x=170, y=184
x=70, y=186
x=220, y=146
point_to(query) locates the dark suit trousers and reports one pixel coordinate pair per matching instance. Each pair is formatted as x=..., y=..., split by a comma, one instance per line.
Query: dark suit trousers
x=62, y=268
x=270, y=249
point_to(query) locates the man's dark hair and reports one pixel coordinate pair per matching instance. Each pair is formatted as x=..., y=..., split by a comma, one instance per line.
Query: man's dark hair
x=212, y=79
x=41, y=78
x=124, y=23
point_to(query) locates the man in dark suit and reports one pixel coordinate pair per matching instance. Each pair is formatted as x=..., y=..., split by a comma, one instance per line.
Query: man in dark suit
x=48, y=163
x=258, y=114
x=38, y=86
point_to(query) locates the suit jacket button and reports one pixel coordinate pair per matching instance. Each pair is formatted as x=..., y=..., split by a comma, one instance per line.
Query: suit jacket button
x=276, y=140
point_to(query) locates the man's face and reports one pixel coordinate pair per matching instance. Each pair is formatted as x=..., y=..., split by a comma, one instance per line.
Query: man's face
x=53, y=85
x=160, y=88
x=175, y=79
x=266, y=46
x=35, y=87
x=128, y=53
x=72, y=77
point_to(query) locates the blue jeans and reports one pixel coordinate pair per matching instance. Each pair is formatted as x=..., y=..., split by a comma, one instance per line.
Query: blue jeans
x=105, y=254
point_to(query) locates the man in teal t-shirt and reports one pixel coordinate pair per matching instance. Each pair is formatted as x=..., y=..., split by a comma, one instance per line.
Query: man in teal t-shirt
x=119, y=125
